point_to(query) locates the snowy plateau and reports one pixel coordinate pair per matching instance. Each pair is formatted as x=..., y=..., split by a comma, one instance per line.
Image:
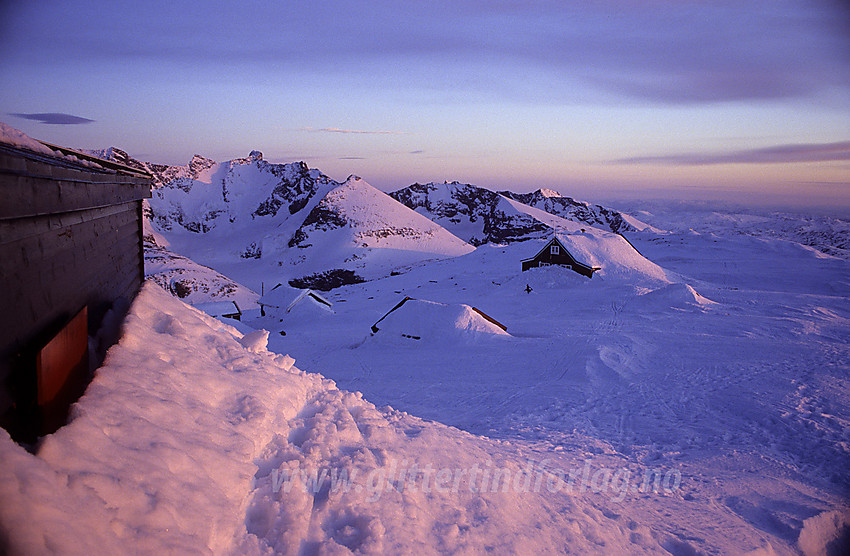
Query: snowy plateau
x=692, y=397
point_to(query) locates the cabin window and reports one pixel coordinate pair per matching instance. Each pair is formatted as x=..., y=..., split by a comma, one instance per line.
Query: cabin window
x=554, y=250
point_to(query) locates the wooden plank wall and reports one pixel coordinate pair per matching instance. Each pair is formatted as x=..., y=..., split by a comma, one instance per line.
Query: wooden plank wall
x=70, y=237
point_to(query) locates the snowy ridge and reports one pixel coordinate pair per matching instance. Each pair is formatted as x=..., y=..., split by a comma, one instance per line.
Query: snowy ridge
x=474, y=214
x=579, y=211
x=479, y=215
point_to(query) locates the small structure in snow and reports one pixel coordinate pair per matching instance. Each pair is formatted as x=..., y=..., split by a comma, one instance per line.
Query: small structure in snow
x=554, y=253
x=417, y=319
x=281, y=298
x=226, y=309
x=315, y=298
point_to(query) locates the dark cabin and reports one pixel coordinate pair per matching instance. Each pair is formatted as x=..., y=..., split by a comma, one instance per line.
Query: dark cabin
x=71, y=250
x=554, y=253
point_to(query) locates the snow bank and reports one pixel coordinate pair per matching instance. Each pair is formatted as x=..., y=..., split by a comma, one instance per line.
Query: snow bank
x=194, y=439
x=826, y=534
x=418, y=319
x=673, y=295
x=159, y=454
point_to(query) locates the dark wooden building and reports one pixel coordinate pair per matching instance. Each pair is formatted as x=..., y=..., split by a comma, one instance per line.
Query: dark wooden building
x=554, y=253
x=70, y=249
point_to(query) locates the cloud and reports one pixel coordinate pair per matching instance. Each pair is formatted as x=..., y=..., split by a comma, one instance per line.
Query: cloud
x=417, y=152
x=777, y=154
x=663, y=51
x=354, y=131
x=351, y=158
x=54, y=118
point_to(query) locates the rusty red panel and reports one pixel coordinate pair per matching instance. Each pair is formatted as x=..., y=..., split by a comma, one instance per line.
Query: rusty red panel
x=62, y=372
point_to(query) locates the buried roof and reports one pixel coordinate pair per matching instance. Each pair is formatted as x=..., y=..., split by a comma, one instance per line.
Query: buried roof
x=219, y=308
x=281, y=296
x=417, y=319
x=605, y=253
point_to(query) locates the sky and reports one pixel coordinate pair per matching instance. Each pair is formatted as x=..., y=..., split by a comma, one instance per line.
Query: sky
x=747, y=101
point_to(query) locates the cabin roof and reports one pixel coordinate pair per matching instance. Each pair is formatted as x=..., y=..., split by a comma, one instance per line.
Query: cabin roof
x=561, y=245
x=217, y=308
x=65, y=157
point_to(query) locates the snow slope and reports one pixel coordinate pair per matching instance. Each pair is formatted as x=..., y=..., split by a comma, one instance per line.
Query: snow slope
x=704, y=416
x=737, y=377
x=192, y=282
x=176, y=449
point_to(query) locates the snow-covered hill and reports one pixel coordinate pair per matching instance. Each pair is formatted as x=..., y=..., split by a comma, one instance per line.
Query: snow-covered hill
x=356, y=227
x=192, y=282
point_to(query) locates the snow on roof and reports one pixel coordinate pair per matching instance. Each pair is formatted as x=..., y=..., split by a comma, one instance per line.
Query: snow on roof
x=18, y=139
x=419, y=319
x=311, y=297
x=218, y=308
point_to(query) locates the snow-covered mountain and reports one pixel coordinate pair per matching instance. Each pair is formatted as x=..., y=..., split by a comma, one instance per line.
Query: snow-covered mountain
x=184, y=278
x=480, y=215
x=579, y=211
x=296, y=221
x=357, y=227
x=472, y=213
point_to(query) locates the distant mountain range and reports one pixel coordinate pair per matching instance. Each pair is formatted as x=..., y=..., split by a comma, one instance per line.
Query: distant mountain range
x=322, y=233
x=480, y=216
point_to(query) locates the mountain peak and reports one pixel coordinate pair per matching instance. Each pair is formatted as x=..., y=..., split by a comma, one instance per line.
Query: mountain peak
x=200, y=163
